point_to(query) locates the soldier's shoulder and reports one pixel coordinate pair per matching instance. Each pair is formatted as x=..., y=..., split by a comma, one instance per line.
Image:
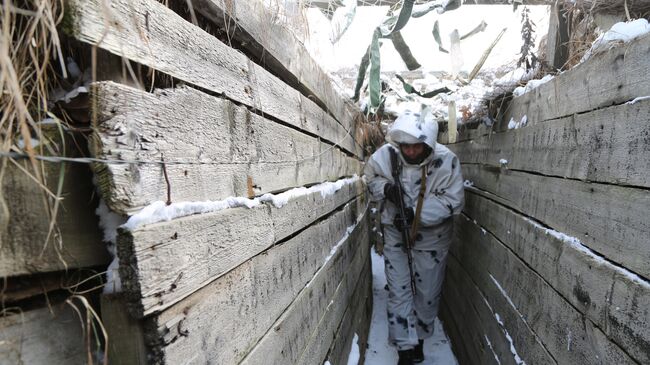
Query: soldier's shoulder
x=443, y=151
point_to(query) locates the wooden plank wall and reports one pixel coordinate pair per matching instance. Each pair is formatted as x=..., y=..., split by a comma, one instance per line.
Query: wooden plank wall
x=551, y=259
x=267, y=284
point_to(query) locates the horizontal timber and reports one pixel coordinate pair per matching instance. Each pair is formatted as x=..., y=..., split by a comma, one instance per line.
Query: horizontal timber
x=237, y=153
x=162, y=263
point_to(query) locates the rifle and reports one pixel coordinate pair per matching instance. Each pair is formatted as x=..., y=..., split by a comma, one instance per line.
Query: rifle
x=396, y=168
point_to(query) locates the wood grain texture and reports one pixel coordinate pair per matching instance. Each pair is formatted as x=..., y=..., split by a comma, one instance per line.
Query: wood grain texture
x=162, y=263
x=230, y=151
x=76, y=241
x=493, y=322
x=609, y=78
x=606, y=294
x=147, y=32
x=125, y=334
x=291, y=338
x=610, y=145
x=42, y=337
x=565, y=332
x=355, y=321
x=345, y=298
x=270, y=40
x=226, y=318
x=609, y=219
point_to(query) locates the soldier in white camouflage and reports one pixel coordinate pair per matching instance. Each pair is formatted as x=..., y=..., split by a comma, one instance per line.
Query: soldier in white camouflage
x=427, y=165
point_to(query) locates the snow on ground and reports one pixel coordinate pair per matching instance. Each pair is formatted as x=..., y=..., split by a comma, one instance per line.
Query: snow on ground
x=437, y=349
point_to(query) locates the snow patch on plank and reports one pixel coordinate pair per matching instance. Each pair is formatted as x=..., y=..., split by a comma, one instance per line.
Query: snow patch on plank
x=620, y=33
x=353, y=358
x=492, y=349
x=159, y=211
x=578, y=245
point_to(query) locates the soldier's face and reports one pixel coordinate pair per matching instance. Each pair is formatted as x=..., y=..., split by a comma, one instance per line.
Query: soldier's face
x=412, y=151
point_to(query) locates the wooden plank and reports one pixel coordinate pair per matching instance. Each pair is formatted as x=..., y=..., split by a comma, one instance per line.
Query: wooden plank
x=290, y=335
x=356, y=321
x=272, y=42
x=125, y=335
x=607, y=145
x=608, y=295
x=42, y=337
x=453, y=332
x=163, y=263
x=332, y=338
x=565, y=332
x=25, y=222
x=233, y=312
x=609, y=78
x=609, y=219
x=229, y=150
x=149, y=33
x=503, y=336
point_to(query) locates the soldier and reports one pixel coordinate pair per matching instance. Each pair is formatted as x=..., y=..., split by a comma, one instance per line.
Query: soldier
x=432, y=193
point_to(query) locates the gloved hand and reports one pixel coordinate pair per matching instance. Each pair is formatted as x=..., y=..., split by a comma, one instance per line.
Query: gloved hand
x=391, y=193
x=402, y=223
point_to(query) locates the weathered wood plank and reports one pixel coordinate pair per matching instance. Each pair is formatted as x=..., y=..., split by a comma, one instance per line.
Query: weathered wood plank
x=587, y=87
x=125, y=335
x=609, y=219
x=565, y=332
x=605, y=293
x=609, y=145
x=493, y=322
x=450, y=327
x=233, y=312
x=163, y=263
x=344, y=301
x=289, y=337
x=24, y=218
x=356, y=320
x=149, y=33
x=42, y=337
x=229, y=150
x=270, y=40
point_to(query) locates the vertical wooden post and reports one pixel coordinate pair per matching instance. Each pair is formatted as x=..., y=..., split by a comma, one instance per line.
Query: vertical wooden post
x=452, y=130
x=557, y=51
x=125, y=335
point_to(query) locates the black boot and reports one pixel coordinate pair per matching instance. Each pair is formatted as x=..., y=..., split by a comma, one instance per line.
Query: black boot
x=418, y=353
x=405, y=357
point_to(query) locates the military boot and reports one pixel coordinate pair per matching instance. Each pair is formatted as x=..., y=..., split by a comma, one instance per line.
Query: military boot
x=418, y=353
x=405, y=357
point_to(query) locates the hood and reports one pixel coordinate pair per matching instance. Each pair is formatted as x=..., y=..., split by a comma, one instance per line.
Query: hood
x=412, y=128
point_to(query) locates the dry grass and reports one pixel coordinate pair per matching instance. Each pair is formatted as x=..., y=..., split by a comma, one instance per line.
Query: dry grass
x=30, y=56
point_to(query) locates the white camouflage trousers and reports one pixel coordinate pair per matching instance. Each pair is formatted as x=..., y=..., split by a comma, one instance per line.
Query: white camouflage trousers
x=412, y=318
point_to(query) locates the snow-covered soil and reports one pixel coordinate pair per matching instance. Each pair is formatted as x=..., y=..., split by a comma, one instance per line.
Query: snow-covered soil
x=437, y=349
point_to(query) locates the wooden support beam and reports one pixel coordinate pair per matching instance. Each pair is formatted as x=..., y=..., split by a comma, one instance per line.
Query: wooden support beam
x=25, y=214
x=229, y=150
x=586, y=87
x=562, y=330
x=609, y=219
x=42, y=336
x=233, y=313
x=608, y=295
x=295, y=336
x=490, y=328
x=601, y=146
x=162, y=263
x=125, y=334
x=149, y=33
x=276, y=47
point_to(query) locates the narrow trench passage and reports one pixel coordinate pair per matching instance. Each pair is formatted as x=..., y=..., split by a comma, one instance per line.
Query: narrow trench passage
x=437, y=349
